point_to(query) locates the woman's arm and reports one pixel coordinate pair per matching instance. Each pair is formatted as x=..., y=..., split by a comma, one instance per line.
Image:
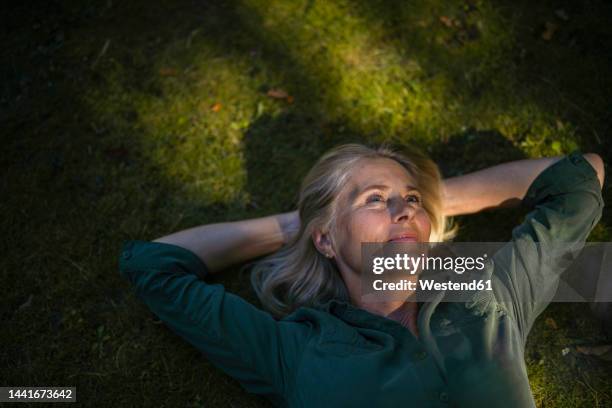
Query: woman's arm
x=225, y=244
x=566, y=203
x=245, y=342
x=500, y=186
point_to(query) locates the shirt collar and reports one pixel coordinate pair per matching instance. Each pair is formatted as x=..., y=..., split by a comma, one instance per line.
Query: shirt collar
x=356, y=316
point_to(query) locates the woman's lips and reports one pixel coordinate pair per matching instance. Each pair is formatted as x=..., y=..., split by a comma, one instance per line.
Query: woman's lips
x=404, y=239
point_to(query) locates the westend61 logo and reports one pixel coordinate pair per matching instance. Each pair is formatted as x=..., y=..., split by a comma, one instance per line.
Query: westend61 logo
x=577, y=271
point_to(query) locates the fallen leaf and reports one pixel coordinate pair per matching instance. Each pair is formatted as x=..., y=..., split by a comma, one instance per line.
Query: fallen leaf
x=560, y=125
x=549, y=31
x=166, y=72
x=277, y=94
x=447, y=21
x=216, y=107
x=550, y=322
x=597, y=351
x=117, y=153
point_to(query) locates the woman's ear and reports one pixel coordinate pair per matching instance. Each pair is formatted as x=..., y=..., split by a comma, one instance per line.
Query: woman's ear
x=322, y=242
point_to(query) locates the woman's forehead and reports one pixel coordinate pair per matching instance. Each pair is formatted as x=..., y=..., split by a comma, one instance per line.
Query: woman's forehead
x=377, y=172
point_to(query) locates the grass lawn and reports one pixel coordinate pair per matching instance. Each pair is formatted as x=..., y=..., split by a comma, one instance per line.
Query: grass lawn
x=131, y=120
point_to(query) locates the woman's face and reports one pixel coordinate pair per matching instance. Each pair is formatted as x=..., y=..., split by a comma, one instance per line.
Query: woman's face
x=380, y=203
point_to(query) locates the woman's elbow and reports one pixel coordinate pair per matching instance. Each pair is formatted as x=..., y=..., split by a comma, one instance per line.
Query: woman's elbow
x=597, y=162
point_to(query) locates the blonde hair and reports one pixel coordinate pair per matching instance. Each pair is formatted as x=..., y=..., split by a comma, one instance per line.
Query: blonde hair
x=298, y=274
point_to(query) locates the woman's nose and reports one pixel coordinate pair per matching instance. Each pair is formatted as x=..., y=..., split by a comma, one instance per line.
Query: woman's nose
x=401, y=210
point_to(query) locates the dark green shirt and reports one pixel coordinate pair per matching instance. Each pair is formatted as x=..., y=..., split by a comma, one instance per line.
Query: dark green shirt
x=468, y=354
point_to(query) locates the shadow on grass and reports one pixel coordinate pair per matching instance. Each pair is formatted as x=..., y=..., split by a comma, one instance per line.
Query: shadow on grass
x=475, y=150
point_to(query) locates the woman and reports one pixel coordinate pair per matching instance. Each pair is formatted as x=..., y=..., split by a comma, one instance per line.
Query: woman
x=317, y=344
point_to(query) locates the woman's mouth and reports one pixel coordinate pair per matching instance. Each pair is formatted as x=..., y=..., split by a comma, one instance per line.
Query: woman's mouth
x=404, y=238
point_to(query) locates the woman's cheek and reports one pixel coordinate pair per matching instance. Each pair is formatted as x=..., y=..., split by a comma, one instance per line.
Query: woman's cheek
x=369, y=227
x=424, y=224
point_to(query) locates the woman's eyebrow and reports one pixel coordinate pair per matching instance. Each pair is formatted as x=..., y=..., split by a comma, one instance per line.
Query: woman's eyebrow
x=356, y=192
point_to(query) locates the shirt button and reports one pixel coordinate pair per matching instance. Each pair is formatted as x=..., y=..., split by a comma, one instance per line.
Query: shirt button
x=420, y=355
x=126, y=254
x=443, y=396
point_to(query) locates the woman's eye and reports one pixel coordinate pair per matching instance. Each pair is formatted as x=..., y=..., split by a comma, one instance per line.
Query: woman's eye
x=375, y=198
x=378, y=198
x=413, y=198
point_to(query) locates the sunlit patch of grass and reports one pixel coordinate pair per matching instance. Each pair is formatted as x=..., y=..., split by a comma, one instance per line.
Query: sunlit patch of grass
x=536, y=132
x=415, y=78
x=193, y=126
x=361, y=77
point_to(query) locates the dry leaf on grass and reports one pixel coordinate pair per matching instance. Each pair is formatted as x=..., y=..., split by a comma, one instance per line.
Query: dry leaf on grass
x=603, y=351
x=277, y=94
x=549, y=31
x=550, y=322
x=447, y=21
x=166, y=72
x=117, y=153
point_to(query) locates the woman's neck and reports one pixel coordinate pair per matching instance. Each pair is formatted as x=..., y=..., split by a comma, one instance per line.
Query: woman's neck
x=407, y=315
x=403, y=312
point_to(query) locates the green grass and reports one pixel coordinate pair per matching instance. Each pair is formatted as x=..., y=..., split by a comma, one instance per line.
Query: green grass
x=129, y=121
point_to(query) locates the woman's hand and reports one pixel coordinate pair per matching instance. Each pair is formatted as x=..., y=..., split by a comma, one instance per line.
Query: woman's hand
x=289, y=224
x=225, y=244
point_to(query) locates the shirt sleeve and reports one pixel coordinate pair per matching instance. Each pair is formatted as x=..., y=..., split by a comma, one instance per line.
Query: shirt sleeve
x=243, y=341
x=566, y=203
